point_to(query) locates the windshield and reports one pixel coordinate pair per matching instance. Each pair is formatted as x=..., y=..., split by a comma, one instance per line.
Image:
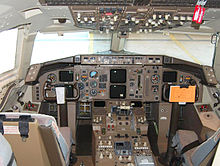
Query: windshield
x=8, y=41
x=189, y=47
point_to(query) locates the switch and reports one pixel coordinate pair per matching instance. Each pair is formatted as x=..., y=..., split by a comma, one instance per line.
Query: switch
x=175, y=18
x=101, y=156
x=93, y=18
x=113, y=127
x=78, y=15
x=110, y=156
x=150, y=20
x=167, y=17
x=120, y=158
x=129, y=158
x=133, y=19
x=103, y=131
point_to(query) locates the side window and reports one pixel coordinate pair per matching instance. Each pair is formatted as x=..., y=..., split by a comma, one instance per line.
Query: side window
x=8, y=41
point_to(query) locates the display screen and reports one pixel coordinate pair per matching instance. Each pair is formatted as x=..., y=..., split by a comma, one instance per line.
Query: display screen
x=169, y=76
x=118, y=76
x=117, y=91
x=99, y=103
x=69, y=91
x=66, y=76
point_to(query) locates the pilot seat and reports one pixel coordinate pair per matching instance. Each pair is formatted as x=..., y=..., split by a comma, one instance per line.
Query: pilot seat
x=6, y=154
x=192, y=152
x=36, y=139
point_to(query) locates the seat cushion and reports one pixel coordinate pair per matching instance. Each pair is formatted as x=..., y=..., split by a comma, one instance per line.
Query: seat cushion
x=183, y=138
x=6, y=154
x=66, y=132
x=67, y=135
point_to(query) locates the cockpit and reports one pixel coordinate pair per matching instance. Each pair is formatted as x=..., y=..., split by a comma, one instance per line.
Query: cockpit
x=117, y=107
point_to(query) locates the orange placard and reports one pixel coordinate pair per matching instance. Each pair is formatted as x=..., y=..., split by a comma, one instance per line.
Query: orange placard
x=182, y=95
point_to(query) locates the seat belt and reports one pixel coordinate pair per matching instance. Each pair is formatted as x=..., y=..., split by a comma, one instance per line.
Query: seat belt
x=24, y=125
x=12, y=160
x=2, y=118
x=190, y=146
x=178, y=159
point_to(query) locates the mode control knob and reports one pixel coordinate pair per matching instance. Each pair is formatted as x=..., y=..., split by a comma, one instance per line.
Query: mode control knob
x=93, y=92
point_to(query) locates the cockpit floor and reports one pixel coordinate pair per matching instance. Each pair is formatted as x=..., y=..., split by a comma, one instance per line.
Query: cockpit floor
x=86, y=160
x=84, y=140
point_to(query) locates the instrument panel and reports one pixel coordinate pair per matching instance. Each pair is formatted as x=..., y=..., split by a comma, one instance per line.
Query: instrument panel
x=118, y=96
x=144, y=78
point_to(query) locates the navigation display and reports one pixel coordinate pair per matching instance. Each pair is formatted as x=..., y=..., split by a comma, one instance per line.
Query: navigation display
x=118, y=75
x=66, y=76
x=169, y=76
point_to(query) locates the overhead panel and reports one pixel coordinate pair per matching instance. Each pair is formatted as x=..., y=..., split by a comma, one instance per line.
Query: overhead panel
x=125, y=16
x=185, y=3
x=177, y=3
x=131, y=18
x=95, y=2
